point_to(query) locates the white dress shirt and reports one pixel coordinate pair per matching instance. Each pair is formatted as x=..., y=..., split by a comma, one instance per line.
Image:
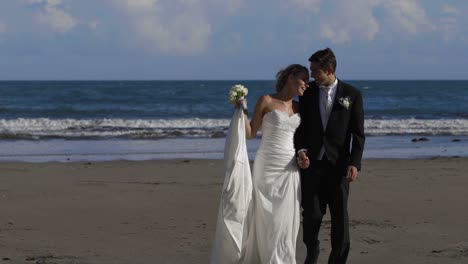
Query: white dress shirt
x=327, y=97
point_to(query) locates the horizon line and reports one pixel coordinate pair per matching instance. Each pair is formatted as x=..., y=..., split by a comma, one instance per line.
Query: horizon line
x=214, y=80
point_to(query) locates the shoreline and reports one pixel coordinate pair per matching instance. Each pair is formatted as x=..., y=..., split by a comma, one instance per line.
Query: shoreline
x=164, y=211
x=209, y=148
x=186, y=159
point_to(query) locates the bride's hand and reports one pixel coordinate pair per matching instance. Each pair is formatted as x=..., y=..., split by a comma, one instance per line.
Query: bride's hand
x=240, y=103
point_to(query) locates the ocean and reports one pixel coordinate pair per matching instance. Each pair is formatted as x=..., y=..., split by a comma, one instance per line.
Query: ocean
x=135, y=120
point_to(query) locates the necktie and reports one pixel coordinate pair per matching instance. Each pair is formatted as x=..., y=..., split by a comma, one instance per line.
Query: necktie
x=328, y=101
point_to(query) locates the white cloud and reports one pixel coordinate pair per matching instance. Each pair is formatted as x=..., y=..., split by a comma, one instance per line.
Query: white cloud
x=448, y=24
x=182, y=34
x=407, y=16
x=53, y=16
x=139, y=5
x=353, y=20
x=356, y=20
x=307, y=5
x=337, y=36
x=168, y=26
x=57, y=19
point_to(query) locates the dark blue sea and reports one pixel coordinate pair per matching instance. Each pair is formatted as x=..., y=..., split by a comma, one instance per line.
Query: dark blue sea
x=177, y=119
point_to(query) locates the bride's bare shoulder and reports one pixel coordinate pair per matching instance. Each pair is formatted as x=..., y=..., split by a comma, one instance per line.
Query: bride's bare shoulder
x=263, y=103
x=265, y=99
x=267, y=96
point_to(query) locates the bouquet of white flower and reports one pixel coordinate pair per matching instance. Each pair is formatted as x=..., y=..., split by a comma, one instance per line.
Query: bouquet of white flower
x=238, y=93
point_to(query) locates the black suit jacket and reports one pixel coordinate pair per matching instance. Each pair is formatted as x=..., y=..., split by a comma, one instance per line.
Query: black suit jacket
x=343, y=137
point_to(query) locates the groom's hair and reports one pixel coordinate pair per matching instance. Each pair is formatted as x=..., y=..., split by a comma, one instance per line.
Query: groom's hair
x=325, y=59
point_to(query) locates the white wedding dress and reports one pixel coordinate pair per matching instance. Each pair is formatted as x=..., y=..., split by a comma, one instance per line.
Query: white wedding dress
x=275, y=217
x=258, y=221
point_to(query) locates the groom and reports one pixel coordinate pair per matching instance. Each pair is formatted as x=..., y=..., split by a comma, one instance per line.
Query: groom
x=329, y=144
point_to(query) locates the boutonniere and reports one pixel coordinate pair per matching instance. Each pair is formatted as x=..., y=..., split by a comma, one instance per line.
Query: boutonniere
x=345, y=102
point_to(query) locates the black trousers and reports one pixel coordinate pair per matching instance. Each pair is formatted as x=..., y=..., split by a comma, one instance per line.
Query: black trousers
x=324, y=184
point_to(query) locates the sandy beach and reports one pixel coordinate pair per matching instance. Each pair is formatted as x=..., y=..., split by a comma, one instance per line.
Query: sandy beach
x=164, y=211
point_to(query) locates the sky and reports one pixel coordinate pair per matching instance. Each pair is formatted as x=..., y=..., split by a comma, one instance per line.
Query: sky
x=230, y=39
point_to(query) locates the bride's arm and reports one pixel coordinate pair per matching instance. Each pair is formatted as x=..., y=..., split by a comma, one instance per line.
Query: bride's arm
x=252, y=127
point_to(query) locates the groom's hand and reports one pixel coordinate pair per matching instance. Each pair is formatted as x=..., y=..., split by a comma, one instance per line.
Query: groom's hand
x=303, y=160
x=352, y=173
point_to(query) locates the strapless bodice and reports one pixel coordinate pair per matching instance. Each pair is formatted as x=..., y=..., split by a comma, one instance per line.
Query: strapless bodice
x=278, y=132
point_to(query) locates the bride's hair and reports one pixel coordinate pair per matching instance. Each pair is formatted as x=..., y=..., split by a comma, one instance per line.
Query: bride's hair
x=282, y=75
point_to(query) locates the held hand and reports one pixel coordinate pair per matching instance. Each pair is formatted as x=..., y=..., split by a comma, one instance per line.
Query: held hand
x=352, y=173
x=242, y=104
x=302, y=160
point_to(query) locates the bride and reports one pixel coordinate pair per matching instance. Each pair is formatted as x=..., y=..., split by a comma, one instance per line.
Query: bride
x=275, y=210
